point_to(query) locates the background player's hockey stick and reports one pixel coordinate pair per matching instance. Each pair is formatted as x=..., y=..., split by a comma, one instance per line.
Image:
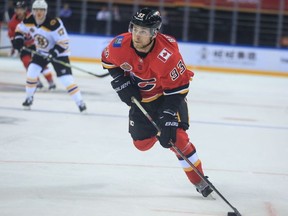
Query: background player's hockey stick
x=236, y=212
x=6, y=47
x=65, y=64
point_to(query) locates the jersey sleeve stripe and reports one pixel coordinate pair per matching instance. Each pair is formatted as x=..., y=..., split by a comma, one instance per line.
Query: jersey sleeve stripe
x=64, y=44
x=108, y=65
x=180, y=90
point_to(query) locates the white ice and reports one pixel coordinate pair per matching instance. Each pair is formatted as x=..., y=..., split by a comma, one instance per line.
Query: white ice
x=55, y=161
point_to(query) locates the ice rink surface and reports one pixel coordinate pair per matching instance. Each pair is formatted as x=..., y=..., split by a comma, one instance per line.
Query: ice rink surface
x=55, y=161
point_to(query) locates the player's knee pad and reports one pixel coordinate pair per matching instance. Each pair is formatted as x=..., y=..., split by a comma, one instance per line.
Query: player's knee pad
x=146, y=144
x=183, y=143
x=67, y=80
x=34, y=70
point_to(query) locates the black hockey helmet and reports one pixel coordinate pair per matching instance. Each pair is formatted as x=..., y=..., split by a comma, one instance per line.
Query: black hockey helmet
x=21, y=4
x=147, y=18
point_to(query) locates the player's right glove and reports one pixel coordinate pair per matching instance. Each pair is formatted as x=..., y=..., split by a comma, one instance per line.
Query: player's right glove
x=168, y=125
x=125, y=89
x=18, y=44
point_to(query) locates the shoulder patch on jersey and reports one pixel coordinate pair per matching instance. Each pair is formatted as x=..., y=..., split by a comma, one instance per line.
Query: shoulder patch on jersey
x=164, y=55
x=53, y=22
x=126, y=66
x=118, y=41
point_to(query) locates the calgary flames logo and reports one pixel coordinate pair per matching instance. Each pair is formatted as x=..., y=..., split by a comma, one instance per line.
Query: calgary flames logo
x=144, y=84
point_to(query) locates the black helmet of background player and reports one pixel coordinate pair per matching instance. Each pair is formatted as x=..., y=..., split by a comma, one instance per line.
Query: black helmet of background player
x=21, y=4
x=20, y=9
x=147, y=18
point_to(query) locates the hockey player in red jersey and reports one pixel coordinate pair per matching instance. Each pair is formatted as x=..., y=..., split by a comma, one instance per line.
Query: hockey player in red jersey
x=21, y=12
x=148, y=65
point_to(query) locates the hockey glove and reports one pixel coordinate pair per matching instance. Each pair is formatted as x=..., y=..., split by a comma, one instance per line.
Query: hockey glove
x=168, y=125
x=53, y=53
x=125, y=89
x=18, y=44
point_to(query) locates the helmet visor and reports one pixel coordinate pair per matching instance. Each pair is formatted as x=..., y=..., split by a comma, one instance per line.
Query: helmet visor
x=139, y=30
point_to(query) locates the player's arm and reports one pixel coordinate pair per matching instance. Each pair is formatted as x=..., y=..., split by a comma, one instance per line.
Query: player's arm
x=175, y=84
x=173, y=97
x=116, y=72
x=11, y=34
x=18, y=41
x=11, y=30
x=121, y=83
x=60, y=35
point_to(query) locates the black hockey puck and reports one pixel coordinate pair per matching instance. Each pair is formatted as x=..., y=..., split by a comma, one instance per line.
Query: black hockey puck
x=231, y=214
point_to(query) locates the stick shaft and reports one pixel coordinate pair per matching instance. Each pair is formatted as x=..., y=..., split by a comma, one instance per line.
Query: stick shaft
x=6, y=47
x=66, y=64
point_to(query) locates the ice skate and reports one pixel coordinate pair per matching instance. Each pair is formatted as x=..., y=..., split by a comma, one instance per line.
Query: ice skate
x=52, y=86
x=82, y=106
x=27, y=103
x=39, y=85
x=203, y=188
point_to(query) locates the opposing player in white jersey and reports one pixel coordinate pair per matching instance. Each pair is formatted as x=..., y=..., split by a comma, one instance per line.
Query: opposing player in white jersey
x=52, y=42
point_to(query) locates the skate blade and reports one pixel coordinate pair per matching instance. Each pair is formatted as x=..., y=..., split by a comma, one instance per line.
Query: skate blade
x=210, y=197
x=84, y=112
x=52, y=89
x=27, y=107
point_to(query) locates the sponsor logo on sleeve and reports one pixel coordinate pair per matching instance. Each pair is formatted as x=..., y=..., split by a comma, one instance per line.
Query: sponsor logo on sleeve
x=53, y=22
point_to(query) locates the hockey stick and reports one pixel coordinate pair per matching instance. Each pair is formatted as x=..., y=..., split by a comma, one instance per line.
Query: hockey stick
x=236, y=212
x=65, y=64
x=6, y=47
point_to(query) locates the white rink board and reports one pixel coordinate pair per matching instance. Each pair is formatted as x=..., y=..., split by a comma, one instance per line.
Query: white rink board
x=207, y=56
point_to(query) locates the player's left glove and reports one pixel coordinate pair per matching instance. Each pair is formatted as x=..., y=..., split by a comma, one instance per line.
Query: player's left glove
x=168, y=125
x=53, y=53
x=125, y=89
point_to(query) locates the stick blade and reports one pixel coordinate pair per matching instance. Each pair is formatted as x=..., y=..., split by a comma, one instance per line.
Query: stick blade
x=233, y=214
